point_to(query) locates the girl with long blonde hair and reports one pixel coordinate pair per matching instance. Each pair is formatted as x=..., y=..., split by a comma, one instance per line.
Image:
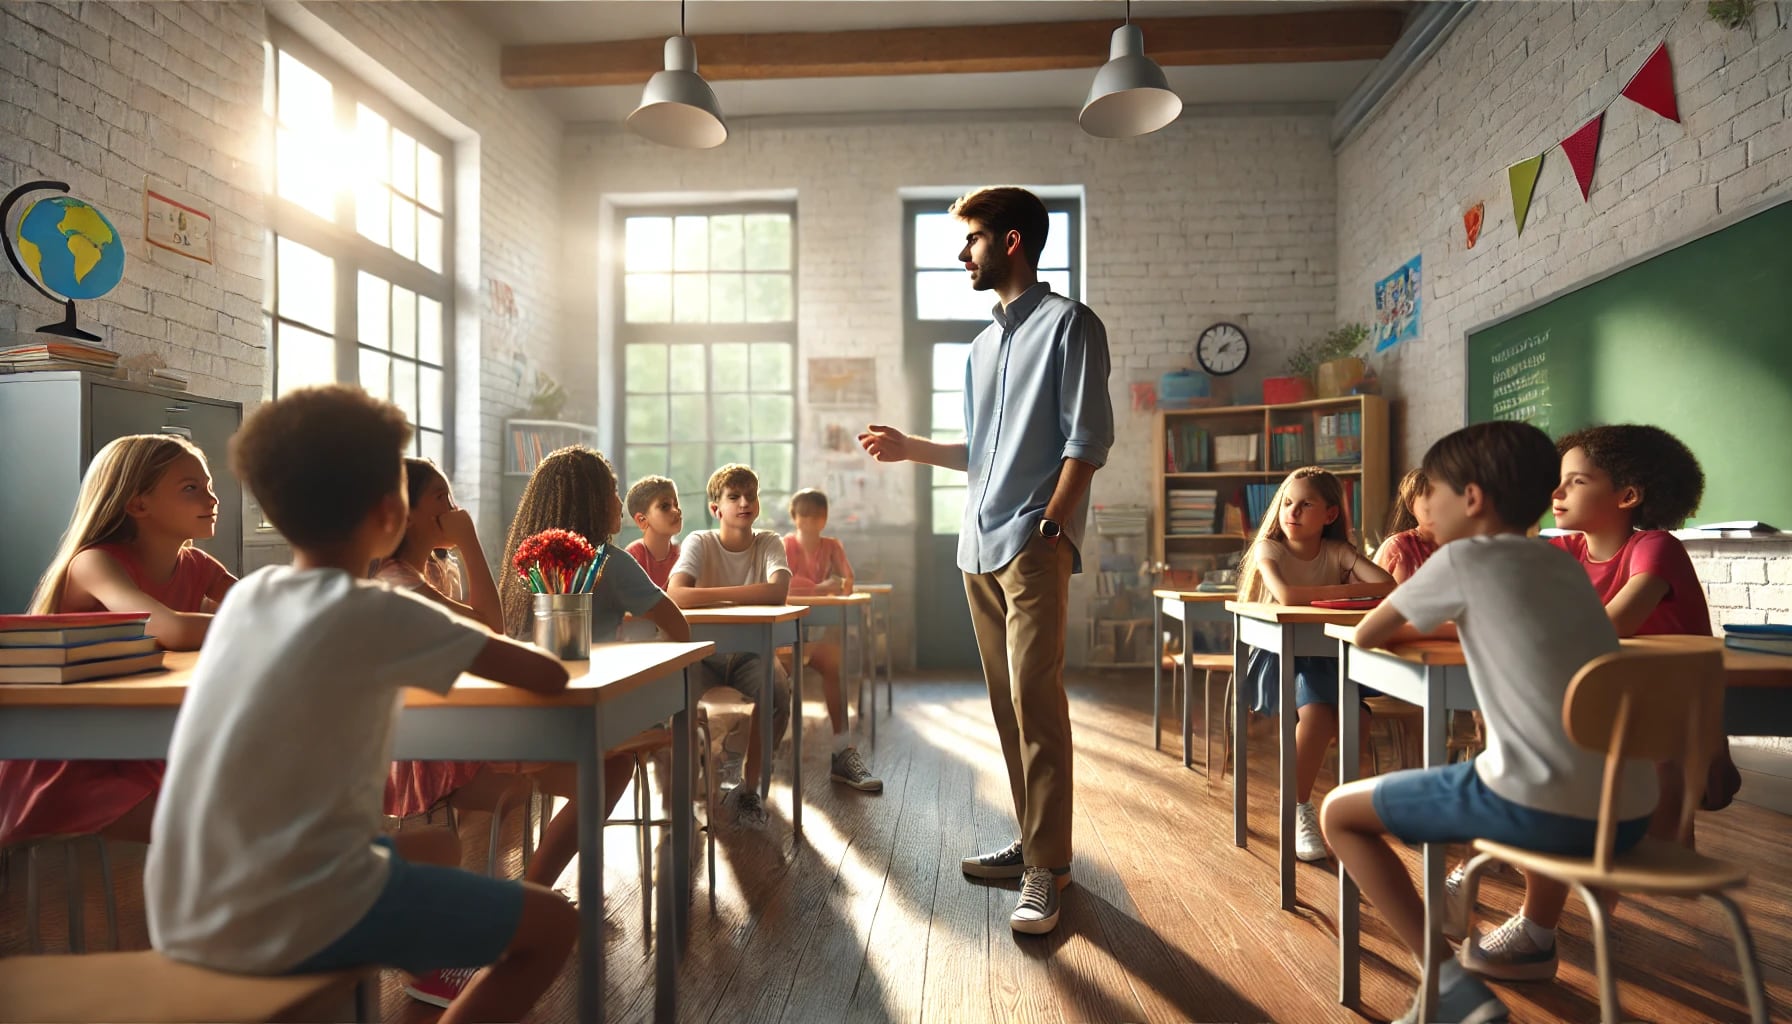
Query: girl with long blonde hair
x=128, y=548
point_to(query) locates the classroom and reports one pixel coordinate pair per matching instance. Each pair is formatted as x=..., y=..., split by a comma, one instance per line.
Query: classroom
x=1245, y=511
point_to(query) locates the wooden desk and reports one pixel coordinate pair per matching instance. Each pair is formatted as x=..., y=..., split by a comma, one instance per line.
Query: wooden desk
x=1187, y=607
x=761, y=630
x=1434, y=675
x=842, y=608
x=622, y=690
x=1288, y=632
x=887, y=592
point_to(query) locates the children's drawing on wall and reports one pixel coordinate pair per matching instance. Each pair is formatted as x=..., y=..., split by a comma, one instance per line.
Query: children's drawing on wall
x=838, y=437
x=1397, y=306
x=843, y=382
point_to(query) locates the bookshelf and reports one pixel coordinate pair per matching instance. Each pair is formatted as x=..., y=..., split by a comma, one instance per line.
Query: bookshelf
x=1218, y=467
x=526, y=443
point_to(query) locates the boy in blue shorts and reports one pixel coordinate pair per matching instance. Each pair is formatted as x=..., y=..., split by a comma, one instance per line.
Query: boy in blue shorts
x=267, y=855
x=1529, y=620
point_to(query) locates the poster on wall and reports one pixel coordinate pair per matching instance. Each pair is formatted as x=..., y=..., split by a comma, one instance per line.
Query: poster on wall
x=843, y=382
x=1397, y=306
x=176, y=222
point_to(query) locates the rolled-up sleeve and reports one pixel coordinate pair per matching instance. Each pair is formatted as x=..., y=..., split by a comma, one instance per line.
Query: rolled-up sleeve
x=1086, y=414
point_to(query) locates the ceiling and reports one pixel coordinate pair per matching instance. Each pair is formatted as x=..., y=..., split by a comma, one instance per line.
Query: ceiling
x=526, y=22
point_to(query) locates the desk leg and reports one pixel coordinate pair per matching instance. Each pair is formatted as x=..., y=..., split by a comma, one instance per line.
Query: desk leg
x=1240, y=722
x=796, y=730
x=768, y=705
x=1157, y=672
x=868, y=663
x=1188, y=691
x=684, y=809
x=1436, y=753
x=591, y=877
x=1285, y=720
x=1349, y=904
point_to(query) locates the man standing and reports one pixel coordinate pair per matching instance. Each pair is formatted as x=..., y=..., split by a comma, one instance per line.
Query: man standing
x=1038, y=424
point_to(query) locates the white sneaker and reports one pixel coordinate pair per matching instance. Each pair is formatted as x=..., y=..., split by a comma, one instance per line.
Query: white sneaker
x=1309, y=844
x=1509, y=954
x=1455, y=924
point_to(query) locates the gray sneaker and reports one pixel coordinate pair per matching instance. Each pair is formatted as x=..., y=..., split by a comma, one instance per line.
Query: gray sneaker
x=1509, y=954
x=1469, y=1001
x=1037, y=911
x=748, y=807
x=1004, y=863
x=848, y=767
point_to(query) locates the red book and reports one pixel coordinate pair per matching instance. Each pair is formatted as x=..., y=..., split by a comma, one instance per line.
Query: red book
x=70, y=628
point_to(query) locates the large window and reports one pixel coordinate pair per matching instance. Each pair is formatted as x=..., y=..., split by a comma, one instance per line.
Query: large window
x=708, y=343
x=360, y=286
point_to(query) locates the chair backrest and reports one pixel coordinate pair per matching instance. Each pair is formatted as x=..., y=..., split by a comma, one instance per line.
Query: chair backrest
x=1655, y=705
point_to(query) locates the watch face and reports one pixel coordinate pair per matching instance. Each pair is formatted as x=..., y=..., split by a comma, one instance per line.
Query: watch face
x=1222, y=349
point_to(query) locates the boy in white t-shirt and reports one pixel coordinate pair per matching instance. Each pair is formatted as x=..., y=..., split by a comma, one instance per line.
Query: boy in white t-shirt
x=1529, y=620
x=736, y=564
x=268, y=856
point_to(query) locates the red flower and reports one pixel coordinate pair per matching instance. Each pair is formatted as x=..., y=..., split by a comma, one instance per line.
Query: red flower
x=556, y=551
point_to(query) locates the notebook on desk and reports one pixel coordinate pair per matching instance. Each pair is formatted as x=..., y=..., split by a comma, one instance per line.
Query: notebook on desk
x=1349, y=604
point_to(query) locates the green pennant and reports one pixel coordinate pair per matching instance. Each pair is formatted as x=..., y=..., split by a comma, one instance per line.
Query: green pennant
x=1524, y=182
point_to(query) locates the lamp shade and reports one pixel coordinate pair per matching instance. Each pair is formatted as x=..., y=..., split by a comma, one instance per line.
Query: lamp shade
x=1130, y=95
x=678, y=108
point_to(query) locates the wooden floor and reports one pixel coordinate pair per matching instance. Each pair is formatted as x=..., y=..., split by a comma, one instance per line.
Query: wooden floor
x=869, y=919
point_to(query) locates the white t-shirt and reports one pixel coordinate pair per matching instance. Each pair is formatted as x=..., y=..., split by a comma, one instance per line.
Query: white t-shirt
x=262, y=849
x=1529, y=620
x=1331, y=567
x=710, y=564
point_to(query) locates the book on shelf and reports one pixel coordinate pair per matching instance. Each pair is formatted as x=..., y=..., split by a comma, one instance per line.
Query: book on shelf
x=1288, y=446
x=76, y=653
x=105, y=668
x=1185, y=448
x=1235, y=452
x=70, y=628
x=1191, y=513
x=1340, y=440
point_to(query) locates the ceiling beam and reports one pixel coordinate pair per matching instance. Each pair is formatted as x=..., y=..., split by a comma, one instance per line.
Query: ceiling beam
x=1354, y=34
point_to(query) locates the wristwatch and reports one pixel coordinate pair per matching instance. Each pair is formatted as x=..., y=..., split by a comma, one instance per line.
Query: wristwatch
x=1049, y=529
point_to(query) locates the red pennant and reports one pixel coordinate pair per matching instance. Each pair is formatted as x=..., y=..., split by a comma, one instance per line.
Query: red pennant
x=1471, y=223
x=1582, y=149
x=1653, y=85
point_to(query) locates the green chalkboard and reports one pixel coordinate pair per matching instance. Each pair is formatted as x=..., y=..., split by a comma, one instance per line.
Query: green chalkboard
x=1696, y=340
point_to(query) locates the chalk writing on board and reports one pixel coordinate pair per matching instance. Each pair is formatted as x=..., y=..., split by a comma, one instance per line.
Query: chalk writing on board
x=1521, y=384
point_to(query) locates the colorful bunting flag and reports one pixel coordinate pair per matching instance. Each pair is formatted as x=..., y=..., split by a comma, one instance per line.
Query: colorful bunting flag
x=1523, y=175
x=1653, y=85
x=1471, y=223
x=1582, y=149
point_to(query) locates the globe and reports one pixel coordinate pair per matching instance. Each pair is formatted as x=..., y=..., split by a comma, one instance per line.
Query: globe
x=70, y=248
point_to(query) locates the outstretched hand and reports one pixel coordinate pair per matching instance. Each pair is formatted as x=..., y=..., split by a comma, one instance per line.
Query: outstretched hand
x=886, y=444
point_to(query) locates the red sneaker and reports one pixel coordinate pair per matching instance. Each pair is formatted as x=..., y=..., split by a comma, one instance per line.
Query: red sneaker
x=439, y=988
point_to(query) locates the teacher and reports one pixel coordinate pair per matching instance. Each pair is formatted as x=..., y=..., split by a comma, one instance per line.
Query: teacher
x=1038, y=424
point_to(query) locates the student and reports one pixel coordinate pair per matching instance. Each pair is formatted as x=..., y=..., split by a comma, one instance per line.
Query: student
x=437, y=523
x=1622, y=488
x=1303, y=553
x=1410, y=538
x=128, y=548
x=735, y=563
x=653, y=505
x=818, y=565
x=1528, y=620
x=268, y=857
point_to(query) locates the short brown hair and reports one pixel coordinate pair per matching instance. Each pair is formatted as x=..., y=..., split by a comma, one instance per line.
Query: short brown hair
x=810, y=498
x=320, y=459
x=733, y=475
x=1513, y=463
x=1651, y=460
x=642, y=492
x=1005, y=208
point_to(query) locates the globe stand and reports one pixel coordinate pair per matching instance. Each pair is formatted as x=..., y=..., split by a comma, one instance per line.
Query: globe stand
x=67, y=328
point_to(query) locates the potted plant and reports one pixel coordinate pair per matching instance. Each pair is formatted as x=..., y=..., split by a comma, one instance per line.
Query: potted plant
x=1330, y=363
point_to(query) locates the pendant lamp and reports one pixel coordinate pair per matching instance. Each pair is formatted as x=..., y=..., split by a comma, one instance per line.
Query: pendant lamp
x=678, y=108
x=1130, y=95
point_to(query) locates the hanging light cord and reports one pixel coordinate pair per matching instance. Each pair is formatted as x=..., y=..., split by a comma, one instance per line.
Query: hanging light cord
x=1128, y=11
x=681, y=14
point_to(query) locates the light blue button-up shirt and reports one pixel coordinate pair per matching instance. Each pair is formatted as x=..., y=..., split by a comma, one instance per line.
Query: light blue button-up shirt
x=1035, y=394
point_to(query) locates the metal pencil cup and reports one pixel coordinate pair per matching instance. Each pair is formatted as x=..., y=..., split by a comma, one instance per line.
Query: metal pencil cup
x=563, y=625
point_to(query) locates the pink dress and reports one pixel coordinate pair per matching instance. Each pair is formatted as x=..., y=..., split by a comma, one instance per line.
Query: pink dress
x=65, y=798
x=413, y=787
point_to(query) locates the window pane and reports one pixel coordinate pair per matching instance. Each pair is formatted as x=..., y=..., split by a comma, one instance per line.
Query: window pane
x=649, y=298
x=304, y=173
x=947, y=477
x=768, y=298
x=429, y=330
x=376, y=373
x=646, y=418
x=939, y=238
x=771, y=366
x=429, y=240
x=404, y=163
x=725, y=240
x=948, y=366
x=948, y=295
x=644, y=460
x=305, y=358
x=404, y=388
x=434, y=447
x=732, y=451
x=733, y=417
x=727, y=299
x=370, y=145
x=307, y=285
x=404, y=321
x=373, y=310
x=429, y=177
x=768, y=241
x=648, y=244
x=404, y=228
x=690, y=298
x=691, y=243
x=1057, y=244
x=948, y=509
x=776, y=466
x=690, y=418
x=373, y=212
x=644, y=367
x=1058, y=279
x=773, y=417
x=689, y=469
x=429, y=398
x=688, y=366
x=728, y=370
x=948, y=412
x=306, y=100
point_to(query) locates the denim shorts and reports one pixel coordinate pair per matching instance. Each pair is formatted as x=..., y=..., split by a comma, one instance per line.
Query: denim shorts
x=1452, y=805
x=743, y=672
x=427, y=918
x=1315, y=681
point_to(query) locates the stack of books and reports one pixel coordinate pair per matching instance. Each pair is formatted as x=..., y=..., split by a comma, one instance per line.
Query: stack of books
x=1773, y=638
x=163, y=377
x=1191, y=513
x=59, y=355
x=1340, y=441
x=1288, y=446
x=1121, y=520
x=71, y=648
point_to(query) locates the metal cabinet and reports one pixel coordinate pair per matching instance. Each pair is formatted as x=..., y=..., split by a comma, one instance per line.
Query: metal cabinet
x=51, y=426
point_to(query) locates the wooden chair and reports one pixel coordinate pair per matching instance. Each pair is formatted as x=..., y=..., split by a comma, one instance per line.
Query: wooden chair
x=1656, y=707
x=718, y=709
x=70, y=847
x=150, y=988
x=641, y=748
x=1207, y=665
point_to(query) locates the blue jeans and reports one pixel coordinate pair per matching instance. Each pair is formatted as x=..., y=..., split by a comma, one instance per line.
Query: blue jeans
x=1451, y=804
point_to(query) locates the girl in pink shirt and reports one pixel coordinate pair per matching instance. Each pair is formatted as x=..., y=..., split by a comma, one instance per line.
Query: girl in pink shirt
x=1410, y=540
x=818, y=566
x=128, y=548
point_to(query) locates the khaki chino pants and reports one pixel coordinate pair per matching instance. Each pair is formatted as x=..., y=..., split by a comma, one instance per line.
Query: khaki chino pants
x=1019, y=613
